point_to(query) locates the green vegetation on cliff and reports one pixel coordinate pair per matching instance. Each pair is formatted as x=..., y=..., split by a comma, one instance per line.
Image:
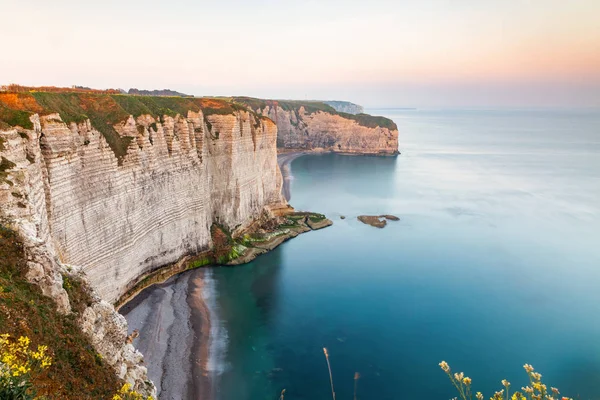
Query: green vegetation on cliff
x=312, y=107
x=105, y=110
x=5, y=165
x=10, y=118
x=163, y=92
x=77, y=371
x=102, y=111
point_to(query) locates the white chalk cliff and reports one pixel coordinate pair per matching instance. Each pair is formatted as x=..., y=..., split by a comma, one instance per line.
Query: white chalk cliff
x=69, y=195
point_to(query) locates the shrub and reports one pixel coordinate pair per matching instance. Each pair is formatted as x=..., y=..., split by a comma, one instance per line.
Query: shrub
x=25, y=311
x=18, y=363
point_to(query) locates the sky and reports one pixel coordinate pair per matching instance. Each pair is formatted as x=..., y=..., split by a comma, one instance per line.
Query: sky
x=378, y=53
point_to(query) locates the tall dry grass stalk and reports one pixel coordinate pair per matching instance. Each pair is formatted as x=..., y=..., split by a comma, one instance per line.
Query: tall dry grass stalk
x=356, y=378
x=330, y=376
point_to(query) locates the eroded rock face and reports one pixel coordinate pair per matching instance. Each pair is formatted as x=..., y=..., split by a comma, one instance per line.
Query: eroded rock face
x=107, y=330
x=178, y=177
x=77, y=204
x=345, y=107
x=323, y=131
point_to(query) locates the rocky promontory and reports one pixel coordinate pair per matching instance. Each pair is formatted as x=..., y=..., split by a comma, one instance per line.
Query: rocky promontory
x=317, y=126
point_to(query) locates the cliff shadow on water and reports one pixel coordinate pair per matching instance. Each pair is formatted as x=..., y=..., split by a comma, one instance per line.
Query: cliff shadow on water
x=342, y=172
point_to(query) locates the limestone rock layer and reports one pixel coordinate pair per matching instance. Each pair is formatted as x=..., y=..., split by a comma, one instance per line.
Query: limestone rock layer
x=299, y=129
x=345, y=107
x=118, y=219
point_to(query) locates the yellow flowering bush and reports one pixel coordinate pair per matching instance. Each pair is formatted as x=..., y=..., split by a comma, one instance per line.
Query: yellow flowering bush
x=536, y=390
x=17, y=365
x=127, y=393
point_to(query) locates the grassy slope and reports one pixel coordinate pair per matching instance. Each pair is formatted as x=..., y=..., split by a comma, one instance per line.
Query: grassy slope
x=311, y=107
x=77, y=372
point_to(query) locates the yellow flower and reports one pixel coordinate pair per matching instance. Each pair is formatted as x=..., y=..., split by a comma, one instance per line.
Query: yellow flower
x=24, y=341
x=467, y=381
x=18, y=361
x=444, y=365
x=126, y=387
x=528, y=368
x=479, y=396
x=527, y=389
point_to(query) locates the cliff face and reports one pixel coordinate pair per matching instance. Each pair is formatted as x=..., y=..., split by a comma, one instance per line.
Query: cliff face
x=119, y=222
x=179, y=177
x=122, y=199
x=318, y=126
x=345, y=107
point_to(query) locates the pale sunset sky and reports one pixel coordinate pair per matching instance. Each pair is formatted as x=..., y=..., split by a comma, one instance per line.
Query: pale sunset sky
x=378, y=53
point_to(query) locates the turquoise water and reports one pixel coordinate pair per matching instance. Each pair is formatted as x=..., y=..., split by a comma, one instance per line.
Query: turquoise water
x=495, y=263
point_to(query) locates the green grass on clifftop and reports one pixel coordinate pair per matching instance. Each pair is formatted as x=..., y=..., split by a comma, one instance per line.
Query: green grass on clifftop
x=101, y=109
x=371, y=121
x=104, y=110
x=77, y=371
x=10, y=118
x=312, y=107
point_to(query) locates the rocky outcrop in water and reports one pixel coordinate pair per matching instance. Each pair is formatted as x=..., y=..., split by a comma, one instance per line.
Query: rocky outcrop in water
x=377, y=221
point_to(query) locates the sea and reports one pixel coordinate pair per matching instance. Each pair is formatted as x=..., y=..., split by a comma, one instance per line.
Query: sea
x=495, y=263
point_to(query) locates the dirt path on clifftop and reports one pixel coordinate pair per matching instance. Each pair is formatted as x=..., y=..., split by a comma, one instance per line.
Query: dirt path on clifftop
x=284, y=161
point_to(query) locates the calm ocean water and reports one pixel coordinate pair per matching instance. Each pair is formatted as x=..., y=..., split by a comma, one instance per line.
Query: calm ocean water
x=495, y=263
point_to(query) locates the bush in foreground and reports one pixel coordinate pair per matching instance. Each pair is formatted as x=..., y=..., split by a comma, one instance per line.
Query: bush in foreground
x=18, y=364
x=536, y=390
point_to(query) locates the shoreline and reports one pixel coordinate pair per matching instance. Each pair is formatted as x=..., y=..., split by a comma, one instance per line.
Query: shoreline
x=183, y=359
x=284, y=161
x=199, y=378
x=192, y=299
